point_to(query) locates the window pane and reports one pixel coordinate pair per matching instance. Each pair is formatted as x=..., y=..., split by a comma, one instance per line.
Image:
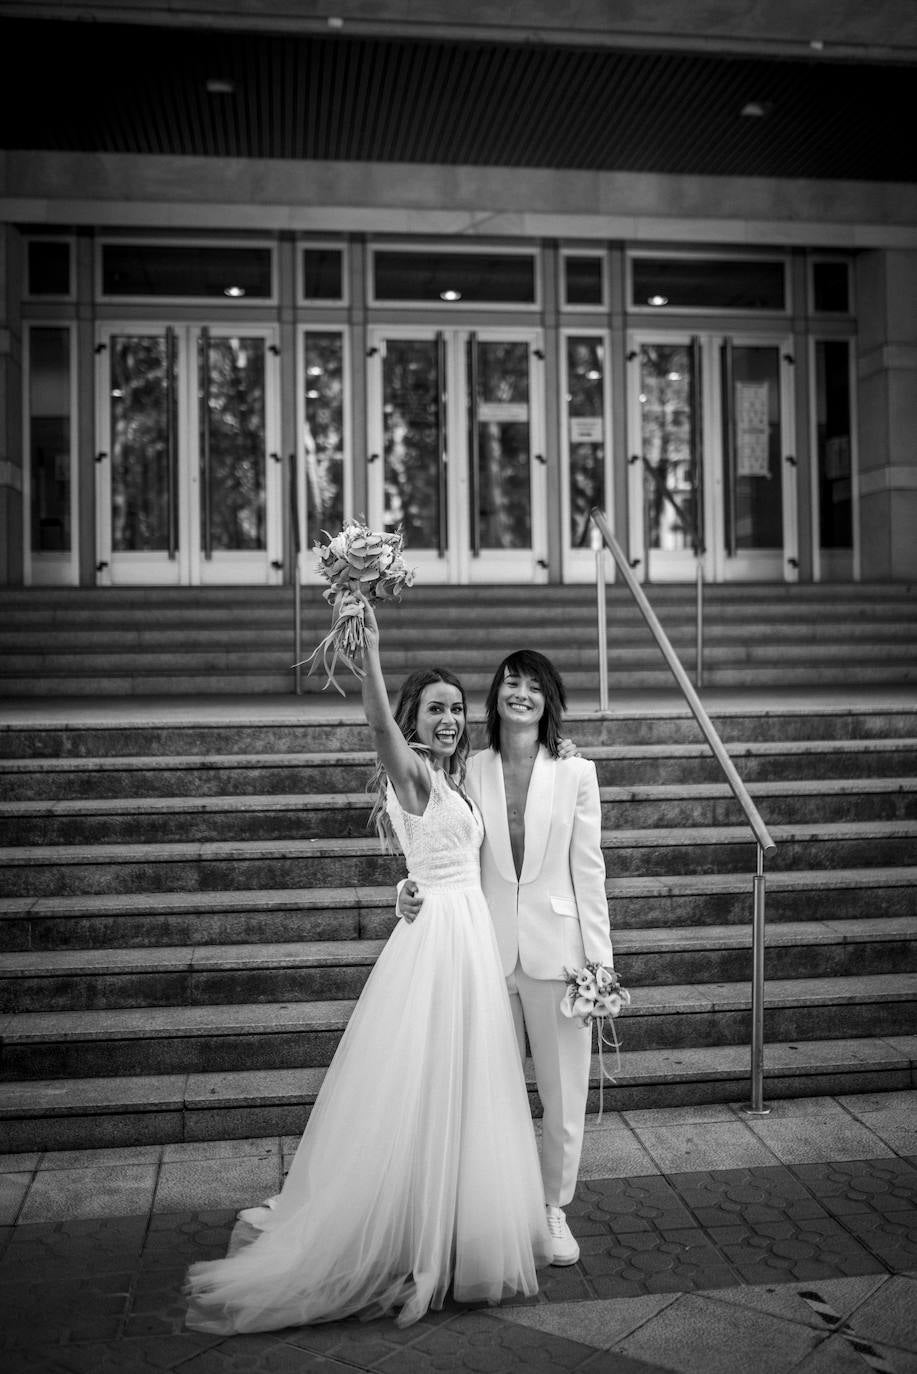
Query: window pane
x=586, y=420
x=142, y=398
x=830, y=287
x=832, y=408
x=233, y=451
x=147, y=269
x=583, y=281
x=753, y=458
x=667, y=423
x=49, y=430
x=322, y=274
x=49, y=269
x=324, y=434
x=455, y=276
x=708, y=284
x=500, y=432
x=411, y=394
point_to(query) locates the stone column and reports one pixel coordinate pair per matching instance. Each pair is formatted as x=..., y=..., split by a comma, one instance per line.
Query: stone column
x=886, y=306
x=11, y=270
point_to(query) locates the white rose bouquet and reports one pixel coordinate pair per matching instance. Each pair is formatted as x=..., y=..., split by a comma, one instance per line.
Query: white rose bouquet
x=594, y=995
x=357, y=563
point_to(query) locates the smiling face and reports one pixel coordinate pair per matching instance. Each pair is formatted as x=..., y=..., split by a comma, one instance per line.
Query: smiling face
x=520, y=699
x=440, y=720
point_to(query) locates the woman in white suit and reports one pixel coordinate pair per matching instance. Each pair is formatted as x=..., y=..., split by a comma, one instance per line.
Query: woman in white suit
x=543, y=875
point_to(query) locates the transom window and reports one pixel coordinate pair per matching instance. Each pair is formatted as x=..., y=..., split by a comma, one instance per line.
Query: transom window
x=701, y=283
x=187, y=270
x=453, y=278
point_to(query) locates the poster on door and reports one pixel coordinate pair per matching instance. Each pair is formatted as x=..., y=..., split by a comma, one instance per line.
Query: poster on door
x=752, y=429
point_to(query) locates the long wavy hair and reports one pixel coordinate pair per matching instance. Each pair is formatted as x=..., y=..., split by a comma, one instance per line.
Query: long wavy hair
x=406, y=720
x=530, y=663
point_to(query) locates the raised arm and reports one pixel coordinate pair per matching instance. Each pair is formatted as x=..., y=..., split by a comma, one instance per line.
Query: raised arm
x=407, y=772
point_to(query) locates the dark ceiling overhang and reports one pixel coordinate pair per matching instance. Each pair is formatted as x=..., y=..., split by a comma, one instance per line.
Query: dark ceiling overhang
x=91, y=87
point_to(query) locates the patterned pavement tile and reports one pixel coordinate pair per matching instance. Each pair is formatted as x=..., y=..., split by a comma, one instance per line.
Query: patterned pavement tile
x=864, y=1185
x=892, y=1237
x=261, y=1355
x=182, y=1238
x=626, y=1204
x=728, y=1196
x=480, y=1343
x=84, y=1309
x=790, y=1251
x=668, y=1261
x=64, y=1248
x=158, y=1306
x=153, y=1356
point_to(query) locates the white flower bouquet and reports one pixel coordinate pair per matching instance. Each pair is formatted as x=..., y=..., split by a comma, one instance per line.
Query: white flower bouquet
x=358, y=562
x=594, y=996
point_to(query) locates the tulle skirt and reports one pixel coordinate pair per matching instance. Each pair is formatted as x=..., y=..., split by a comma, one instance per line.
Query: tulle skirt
x=418, y=1167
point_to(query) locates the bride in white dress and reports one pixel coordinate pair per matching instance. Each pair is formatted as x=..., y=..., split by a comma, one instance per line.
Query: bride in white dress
x=418, y=1168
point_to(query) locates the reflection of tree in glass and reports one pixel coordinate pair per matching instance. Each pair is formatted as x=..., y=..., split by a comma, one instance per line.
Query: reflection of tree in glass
x=324, y=434
x=504, y=488
x=665, y=381
x=585, y=363
x=411, y=429
x=235, y=413
x=139, y=472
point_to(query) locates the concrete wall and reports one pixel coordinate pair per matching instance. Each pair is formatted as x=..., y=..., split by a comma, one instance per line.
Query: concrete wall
x=887, y=406
x=10, y=408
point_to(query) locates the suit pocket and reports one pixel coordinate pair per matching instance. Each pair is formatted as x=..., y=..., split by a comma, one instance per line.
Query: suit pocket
x=564, y=906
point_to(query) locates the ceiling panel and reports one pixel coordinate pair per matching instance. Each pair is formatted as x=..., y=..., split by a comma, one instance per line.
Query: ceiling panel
x=95, y=87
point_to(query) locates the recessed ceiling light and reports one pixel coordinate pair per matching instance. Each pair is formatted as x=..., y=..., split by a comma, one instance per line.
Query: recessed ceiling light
x=450, y=295
x=593, y=375
x=234, y=291
x=657, y=300
x=218, y=85
x=755, y=109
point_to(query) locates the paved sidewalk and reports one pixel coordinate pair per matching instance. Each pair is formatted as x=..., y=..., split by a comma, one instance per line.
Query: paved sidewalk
x=712, y=1243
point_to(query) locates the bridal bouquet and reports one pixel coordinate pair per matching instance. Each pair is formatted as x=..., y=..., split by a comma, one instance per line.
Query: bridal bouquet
x=594, y=995
x=358, y=562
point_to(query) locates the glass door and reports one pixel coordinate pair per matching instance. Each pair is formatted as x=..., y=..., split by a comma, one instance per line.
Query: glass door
x=711, y=471
x=188, y=487
x=456, y=451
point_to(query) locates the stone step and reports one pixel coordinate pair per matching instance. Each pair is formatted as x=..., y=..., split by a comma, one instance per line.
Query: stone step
x=152, y=919
x=290, y=734
x=163, y=976
x=225, y=775
x=78, y=1113
x=265, y=1035
x=275, y=679
x=725, y=632
x=50, y=870
x=158, y=820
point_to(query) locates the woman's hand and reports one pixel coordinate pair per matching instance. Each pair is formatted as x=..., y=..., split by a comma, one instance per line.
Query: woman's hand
x=566, y=749
x=409, y=901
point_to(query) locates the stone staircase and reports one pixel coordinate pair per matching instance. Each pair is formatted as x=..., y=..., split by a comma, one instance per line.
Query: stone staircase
x=190, y=910
x=238, y=640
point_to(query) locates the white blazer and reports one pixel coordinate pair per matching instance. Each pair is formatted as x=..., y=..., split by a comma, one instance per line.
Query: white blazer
x=555, y=916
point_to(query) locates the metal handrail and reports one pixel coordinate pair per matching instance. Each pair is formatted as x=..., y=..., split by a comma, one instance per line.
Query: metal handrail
x=766, y=846
x=297, y=542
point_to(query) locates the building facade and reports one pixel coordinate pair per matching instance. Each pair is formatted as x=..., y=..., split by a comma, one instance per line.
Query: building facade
x=290, y=270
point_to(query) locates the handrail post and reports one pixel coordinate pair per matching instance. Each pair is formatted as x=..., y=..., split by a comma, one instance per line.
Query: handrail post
x=297, y=543
x=598, y=545
x=756, y=1106
x=700, y=622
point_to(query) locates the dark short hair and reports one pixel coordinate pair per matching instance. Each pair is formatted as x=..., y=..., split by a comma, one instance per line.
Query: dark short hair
x=530, y=663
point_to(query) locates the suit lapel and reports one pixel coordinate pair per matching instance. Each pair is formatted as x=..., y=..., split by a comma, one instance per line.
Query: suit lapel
x=492, y=802
x=538, y=806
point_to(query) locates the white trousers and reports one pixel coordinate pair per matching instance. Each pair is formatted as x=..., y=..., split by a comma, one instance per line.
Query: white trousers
x=561, y=1056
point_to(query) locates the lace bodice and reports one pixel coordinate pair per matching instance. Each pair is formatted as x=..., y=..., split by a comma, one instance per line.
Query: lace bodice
x=441, y=846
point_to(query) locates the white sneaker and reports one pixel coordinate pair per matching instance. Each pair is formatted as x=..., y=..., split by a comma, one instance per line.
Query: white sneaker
x=566, y=1250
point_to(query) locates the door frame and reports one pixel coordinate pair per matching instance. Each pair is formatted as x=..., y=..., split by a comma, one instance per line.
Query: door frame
x=245, y=567
x=460, y=566
x=754, y=565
